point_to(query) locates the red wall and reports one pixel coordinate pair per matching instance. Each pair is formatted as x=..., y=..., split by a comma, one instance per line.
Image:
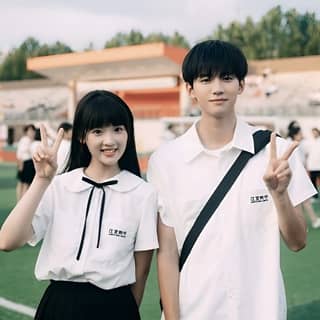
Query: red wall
x=153, y=104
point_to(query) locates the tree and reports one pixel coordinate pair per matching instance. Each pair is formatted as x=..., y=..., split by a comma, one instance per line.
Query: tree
x=178, y=40
x=125, y=39
x=277, y=34
x=136, y=37
x=14, y=65
x=56, y=48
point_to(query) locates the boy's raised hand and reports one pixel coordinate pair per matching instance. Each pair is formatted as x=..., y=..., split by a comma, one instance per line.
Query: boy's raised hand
x=278, y=173
x=45, y=157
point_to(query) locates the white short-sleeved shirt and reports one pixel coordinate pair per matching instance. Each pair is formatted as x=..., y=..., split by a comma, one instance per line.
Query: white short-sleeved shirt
x=233, y=271
x=24, y=149
x=129, y=224
x=313, y=159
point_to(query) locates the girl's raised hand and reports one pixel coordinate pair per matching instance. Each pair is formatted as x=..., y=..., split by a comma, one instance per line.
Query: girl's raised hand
x=45, y=157
x=278, y=173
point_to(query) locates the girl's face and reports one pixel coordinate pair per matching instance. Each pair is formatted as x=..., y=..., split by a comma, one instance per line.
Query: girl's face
x=106, y=146
x=31, y=133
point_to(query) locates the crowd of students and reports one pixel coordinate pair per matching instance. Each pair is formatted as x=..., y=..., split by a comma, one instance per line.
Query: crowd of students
x=100, y=222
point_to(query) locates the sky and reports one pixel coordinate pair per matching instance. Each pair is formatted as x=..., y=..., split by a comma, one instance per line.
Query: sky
x=78, y=23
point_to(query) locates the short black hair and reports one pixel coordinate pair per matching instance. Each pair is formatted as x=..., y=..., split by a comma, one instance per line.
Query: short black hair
x=29, y=126
x=66, y=126
x=214, y=58
x=293, y=131
x=293, y=123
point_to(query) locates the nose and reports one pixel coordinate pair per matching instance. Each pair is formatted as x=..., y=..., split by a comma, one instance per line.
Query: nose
x=108, y=138
x=216, y=86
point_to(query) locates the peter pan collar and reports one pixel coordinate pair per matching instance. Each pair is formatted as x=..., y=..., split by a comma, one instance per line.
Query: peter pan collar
x=73, y=182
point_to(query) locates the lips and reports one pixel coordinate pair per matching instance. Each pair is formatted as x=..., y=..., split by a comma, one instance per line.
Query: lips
x=218, y=100
x=109, y=152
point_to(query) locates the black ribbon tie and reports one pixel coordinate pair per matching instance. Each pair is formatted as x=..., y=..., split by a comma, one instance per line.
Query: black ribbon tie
x=99, y=186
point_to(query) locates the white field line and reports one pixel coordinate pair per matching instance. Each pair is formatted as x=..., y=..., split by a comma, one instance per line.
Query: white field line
x=17, y=307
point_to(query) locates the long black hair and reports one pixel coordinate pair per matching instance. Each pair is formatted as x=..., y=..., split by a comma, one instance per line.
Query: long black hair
x=97, y=109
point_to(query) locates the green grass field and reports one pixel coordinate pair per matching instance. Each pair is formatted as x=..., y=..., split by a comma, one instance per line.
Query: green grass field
x=17, y=283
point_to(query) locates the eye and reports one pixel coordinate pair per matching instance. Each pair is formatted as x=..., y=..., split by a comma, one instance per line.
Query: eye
x=119, y=129
x=96, y=131
x=204, y=79
x=227, y=77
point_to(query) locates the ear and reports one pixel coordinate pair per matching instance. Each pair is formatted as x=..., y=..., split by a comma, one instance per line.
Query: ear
x=190, y=91
x=241, y=86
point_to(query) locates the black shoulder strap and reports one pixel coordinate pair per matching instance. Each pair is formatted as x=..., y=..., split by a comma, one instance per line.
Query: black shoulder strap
x=261, y=139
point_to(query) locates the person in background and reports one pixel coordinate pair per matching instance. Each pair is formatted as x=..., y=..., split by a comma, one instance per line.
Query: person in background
x=170, y=132
x=313, y=159
x=25, y=172
x=295, y=134
x=64, y=149
x=36, y=142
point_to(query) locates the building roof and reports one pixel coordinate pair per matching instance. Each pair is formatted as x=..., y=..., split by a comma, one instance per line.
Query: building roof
x=281, y=65
x=138, y=61
x=28, y=84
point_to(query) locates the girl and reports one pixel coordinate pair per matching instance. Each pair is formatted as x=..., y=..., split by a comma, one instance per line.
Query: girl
x=97, y=220
x=25, y=172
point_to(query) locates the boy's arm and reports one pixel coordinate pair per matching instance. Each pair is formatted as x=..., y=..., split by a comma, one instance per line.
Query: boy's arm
x=291, y=222
x=168, y=271
x=277, y=177
x=142, y=263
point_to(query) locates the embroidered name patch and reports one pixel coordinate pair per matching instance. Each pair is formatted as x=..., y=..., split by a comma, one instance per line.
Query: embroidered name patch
x=259, y=198
x=117, y=233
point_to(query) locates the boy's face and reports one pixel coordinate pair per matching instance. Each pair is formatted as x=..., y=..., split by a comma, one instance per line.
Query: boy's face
x=216, y=96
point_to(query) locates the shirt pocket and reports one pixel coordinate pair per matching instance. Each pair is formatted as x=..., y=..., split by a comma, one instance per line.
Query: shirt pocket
x=119, y=239
x=259, y=214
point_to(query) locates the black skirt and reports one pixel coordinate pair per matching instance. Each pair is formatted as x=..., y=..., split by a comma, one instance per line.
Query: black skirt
x=65, y=300
x=28, y=172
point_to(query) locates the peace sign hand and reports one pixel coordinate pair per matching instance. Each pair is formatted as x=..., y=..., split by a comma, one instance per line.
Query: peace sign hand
x=278, y=174
x=45, y=157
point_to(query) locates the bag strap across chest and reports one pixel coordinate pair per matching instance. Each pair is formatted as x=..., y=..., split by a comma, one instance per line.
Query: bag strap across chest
x=261, y=139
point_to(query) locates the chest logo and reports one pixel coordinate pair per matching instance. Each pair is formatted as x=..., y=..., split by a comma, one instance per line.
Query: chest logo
x=117, y=233
x=259, y=198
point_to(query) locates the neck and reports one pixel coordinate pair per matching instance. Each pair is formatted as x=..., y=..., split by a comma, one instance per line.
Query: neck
x=215, y=133
x=101, y=173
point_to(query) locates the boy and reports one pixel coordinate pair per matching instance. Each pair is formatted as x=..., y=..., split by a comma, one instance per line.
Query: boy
x=233, y=271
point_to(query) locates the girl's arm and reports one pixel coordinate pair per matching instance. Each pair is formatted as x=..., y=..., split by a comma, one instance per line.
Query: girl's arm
x=142, y=262
x=17, y=229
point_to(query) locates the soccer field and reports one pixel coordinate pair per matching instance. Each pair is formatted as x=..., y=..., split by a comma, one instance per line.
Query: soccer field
x=17, y=283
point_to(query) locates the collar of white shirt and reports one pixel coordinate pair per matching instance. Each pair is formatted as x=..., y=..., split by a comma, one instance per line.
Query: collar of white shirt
x=242, y=139
x=73, y=181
